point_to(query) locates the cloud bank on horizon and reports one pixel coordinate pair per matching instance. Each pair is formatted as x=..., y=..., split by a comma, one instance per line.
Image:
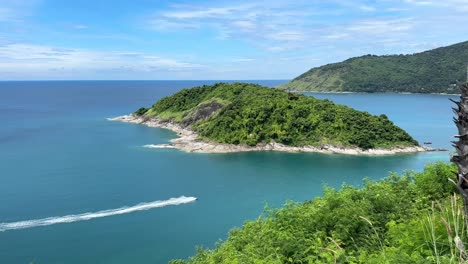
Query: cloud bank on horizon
x=257, y=39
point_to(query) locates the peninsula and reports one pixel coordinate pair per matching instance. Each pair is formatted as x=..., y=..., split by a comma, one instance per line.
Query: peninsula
x=434, y=71
x=239, y=117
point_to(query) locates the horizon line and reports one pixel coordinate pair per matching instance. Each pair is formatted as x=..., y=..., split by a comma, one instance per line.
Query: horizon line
x=117, y=80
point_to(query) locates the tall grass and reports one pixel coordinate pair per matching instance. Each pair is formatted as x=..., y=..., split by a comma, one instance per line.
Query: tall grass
x=446, y=233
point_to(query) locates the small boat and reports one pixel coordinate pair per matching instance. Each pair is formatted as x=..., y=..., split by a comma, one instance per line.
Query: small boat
x=427, y=143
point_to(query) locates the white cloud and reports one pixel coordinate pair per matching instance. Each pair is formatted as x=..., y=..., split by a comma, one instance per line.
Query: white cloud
x=337, y=36
x=287, y=36
x=265, y=25
x=278, y=48
x=396, y=9
x=420, y=2
x=382, y=26
x=244, y=24
x=155, y=62
x=243, y=60
x=455, y=5
x=36, y=59
x=165, y=25
x=201, y=13
x=261, y=37
x=367, y=8
x=280, y=26
x=80, y=26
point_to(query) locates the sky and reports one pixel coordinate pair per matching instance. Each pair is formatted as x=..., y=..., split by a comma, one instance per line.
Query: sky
x=217, y=40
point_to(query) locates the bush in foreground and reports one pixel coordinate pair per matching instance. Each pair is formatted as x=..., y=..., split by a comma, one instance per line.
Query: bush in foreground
x=412, y=218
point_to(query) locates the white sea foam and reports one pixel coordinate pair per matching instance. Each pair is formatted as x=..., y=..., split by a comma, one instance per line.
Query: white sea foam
x=160, y=146
x=89, y=216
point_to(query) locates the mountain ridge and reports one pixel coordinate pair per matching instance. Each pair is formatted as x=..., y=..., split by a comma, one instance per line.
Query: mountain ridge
x=438, y=70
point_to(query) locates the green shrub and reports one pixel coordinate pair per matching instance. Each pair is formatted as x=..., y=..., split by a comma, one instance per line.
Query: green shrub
x=388, y=221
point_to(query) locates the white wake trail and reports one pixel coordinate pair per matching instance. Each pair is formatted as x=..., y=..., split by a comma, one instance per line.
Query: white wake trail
x=89, y=216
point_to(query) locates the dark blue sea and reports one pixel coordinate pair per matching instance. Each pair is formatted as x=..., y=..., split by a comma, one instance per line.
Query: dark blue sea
x=71, y=180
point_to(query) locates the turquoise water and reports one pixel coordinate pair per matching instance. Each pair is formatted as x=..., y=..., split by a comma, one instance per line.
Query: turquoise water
x=60, y=156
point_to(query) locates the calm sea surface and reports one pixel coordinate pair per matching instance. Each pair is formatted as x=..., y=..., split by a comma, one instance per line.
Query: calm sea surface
x=59, y=156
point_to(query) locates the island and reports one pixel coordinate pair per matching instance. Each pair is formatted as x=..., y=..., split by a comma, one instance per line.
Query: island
x=236, y=117
x=438, y=71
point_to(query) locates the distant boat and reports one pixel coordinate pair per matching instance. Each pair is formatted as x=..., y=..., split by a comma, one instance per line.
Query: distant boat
x=427, y=143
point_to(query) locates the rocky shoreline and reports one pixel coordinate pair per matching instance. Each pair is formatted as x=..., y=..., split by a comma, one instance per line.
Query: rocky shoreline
x=346, y=92
x=189, y=141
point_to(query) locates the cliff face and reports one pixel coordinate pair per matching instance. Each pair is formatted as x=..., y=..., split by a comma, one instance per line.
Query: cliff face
x=433, y=71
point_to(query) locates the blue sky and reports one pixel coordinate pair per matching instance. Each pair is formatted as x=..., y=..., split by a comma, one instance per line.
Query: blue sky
x=256, y=39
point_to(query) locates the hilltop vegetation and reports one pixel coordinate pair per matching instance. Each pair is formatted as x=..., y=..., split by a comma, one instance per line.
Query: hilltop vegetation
x=401, y=219
x=250, y=114
x=434, y=71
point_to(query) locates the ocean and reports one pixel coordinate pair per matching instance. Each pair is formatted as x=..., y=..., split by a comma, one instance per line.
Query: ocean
x=76, y=188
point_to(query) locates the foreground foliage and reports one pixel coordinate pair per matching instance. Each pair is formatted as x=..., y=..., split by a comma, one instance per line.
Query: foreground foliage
x=411, y=218
x=433, y=71
x=242, y=113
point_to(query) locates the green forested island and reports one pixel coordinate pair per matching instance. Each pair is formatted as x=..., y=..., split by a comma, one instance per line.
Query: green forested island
x=408, y=219
x=434, y=71
x=249, y=114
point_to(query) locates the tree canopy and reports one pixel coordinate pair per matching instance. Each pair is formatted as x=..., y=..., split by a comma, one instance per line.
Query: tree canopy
x=242, y=113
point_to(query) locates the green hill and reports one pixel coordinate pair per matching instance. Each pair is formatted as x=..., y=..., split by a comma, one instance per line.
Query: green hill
x=250, y=114
x=412, y=219
x=433, y=71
